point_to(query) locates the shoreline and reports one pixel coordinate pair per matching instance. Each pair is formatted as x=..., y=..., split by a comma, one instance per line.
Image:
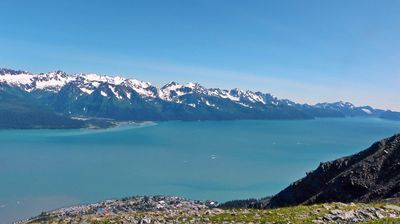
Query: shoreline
x=116, y=124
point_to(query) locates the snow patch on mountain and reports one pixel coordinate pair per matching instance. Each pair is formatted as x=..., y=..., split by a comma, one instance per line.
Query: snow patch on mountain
x=368, y=111
x=115, y=92
x=128, y=95
x=103, y=93
x=20, y=79
x=87, y=91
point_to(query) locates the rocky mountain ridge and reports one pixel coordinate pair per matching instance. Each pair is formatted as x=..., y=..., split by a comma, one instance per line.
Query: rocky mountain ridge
x=370, y=175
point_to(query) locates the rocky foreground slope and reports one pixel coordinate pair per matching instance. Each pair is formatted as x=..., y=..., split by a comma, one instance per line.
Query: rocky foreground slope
x=161, y=209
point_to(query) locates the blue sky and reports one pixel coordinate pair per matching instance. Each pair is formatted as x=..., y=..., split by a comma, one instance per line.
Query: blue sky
x=307, y=51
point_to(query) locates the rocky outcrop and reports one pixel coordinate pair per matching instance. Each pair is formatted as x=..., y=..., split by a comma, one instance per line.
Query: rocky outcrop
x=355, y=214
x=138, y=211
x=371, y=175
x=165, y=207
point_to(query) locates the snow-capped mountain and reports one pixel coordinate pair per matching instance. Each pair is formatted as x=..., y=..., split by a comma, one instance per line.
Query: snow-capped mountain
x=120, y=98
x=55, y=81
x=119, y=87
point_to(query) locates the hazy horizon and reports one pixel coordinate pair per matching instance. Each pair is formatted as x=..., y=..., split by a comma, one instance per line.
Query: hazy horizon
x=308, y=52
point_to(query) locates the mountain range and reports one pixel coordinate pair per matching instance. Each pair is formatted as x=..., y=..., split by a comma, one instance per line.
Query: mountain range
x=67, y=97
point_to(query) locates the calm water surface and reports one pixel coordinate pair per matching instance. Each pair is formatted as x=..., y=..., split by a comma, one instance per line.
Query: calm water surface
x=47, y=169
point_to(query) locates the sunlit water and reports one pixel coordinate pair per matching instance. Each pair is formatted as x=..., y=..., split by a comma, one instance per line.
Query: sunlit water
x=47, y=169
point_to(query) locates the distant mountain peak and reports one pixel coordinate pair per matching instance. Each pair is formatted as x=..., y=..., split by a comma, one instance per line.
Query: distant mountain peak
x=56, y=73
x=5, y=71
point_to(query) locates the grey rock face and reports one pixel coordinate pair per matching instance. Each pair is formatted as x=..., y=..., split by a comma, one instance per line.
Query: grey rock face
x=357, y=215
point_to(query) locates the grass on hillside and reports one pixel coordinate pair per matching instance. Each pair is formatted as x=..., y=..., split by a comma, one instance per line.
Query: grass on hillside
x=296, y=214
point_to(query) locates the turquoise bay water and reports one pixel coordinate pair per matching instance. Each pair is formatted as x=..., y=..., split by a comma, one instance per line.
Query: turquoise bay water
x=47, y=169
